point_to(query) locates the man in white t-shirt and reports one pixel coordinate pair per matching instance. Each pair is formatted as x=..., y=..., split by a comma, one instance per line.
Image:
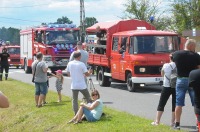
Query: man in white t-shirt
x=77, y=71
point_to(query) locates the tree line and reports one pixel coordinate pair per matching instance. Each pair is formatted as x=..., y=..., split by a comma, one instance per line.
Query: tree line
x=178, y=16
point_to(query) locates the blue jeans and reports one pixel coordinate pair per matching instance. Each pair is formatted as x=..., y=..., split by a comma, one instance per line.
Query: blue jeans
x=40, y=88
x=88, y=115
x=182, y=87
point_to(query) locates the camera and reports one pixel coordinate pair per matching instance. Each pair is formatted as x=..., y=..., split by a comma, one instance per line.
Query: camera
x=49, y=74
x=89, y=67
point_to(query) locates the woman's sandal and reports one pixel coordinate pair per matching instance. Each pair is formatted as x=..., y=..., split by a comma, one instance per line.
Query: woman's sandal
x=154, y=123
x=71, y=121
x=78, y=122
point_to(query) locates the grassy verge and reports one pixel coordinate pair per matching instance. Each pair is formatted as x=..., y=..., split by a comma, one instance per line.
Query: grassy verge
x=22, y=115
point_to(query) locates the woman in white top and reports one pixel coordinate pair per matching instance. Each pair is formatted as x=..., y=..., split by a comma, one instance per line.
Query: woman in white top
x=92, y=111
x=166, y=92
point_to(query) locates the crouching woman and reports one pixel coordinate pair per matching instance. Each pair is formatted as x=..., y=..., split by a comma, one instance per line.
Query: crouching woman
x=92, y=111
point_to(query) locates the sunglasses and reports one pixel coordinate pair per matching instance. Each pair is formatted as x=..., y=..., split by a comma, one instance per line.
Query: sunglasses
x=94, y=94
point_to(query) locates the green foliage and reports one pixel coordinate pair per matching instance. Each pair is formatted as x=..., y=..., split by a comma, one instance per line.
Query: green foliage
x=89, y=21
x=64, y=20
x=186, y=14
x=10, y=34
x=22, y=115
x=143, y=10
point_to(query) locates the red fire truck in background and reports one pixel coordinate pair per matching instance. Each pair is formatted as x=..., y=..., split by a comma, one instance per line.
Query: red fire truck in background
x=130, y=51
x=55, y=41
x=14, y=51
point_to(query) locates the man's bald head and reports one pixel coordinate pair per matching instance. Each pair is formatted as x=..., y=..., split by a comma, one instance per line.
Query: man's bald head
x=77, y=54
x=190, y=45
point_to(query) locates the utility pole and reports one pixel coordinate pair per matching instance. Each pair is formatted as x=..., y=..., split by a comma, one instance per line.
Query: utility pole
x=82, y=20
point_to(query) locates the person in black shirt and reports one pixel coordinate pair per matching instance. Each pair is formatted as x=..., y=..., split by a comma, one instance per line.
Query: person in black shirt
x=4, y=63
x=194, y=82
x=99, y=32
x=186, y=61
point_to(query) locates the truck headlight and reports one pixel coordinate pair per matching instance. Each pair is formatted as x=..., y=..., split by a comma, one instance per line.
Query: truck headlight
x=142, y=69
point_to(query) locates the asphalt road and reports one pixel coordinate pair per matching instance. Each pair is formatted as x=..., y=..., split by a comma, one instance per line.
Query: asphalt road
x=142, y=103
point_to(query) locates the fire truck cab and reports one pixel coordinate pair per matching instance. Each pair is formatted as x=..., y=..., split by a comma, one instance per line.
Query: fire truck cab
x=55, y=41
x=133, y=52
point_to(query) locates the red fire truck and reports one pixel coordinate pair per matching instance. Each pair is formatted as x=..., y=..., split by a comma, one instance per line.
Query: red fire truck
x=55, y=41
x=130, y=51
x=14, y=51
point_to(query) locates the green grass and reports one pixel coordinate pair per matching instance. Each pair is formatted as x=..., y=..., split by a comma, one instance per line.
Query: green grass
x=22, y=115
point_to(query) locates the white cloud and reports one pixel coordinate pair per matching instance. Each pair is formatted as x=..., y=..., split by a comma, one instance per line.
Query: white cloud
x=50, y=10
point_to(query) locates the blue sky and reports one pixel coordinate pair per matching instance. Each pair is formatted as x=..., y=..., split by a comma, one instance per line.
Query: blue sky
x=26, y=13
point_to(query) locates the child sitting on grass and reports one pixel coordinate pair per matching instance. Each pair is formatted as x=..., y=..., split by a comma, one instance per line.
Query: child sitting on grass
x=59, y=82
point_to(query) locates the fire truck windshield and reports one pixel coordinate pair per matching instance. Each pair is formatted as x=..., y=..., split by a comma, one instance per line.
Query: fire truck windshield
x=13, y=50
x=153, y=44
x=61, y=36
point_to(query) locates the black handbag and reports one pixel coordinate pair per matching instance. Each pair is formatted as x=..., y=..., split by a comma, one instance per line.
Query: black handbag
x=33, y=79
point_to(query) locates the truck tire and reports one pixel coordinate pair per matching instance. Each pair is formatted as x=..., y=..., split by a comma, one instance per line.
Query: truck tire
x=130, y=85
x=27, y=69
x=103, y=80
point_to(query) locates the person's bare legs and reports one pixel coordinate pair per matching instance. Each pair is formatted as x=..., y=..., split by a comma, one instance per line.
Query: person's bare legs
x=178, y=112
x=44, y=100
x=41, y=98
x=36, y=99
x=59, y=96
x=158, y=116
x=173, y=119
x=78, y=116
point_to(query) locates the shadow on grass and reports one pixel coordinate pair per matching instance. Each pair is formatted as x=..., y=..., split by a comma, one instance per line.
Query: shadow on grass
x=56, y=103
x=105, y=117
x=191, y=128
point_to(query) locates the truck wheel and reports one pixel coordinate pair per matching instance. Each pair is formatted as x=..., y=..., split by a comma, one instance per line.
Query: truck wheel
x=27, y=69
x=103, y=80
x=130, y=85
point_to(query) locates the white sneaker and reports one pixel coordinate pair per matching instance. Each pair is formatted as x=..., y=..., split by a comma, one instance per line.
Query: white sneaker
x=154, y=123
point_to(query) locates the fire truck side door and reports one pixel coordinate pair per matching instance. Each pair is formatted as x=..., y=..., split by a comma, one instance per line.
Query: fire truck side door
x=115, y=58
x=123, y=58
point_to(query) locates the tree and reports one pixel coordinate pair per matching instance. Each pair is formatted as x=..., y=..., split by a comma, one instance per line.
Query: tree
x=89, y=21
x=10, y=34
x=144, y=9
x=64, y=20
x=186, y=14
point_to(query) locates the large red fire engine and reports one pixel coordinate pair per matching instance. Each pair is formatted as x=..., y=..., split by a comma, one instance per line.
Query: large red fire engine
x=55, y=41
x=131, y=51
x=14, y=51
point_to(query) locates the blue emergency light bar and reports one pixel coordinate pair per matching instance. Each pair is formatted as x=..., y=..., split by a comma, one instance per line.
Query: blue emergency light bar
x=61, y=25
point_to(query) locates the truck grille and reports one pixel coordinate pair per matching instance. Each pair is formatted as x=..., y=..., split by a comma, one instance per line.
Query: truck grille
x=15, y=60
x=151, y=70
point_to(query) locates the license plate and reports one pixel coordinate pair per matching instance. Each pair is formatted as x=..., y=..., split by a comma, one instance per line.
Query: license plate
x=158, y=79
